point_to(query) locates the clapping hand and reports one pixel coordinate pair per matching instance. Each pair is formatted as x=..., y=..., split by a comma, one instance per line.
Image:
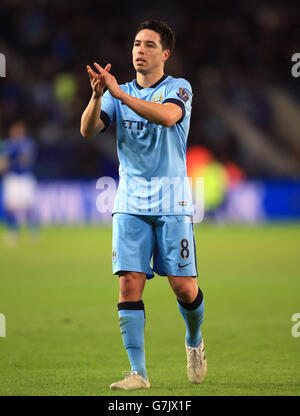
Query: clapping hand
x=97, y=80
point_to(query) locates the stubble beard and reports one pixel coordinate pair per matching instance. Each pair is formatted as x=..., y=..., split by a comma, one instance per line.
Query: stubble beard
x=141, y=71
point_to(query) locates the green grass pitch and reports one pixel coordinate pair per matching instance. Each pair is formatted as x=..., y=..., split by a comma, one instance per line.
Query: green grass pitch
x=62, y=335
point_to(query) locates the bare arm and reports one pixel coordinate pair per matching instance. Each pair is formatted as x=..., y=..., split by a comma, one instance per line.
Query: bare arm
x=164, y=114
x=91, y=124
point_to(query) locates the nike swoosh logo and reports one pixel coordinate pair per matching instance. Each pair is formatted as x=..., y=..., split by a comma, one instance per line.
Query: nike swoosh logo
x=183, y=265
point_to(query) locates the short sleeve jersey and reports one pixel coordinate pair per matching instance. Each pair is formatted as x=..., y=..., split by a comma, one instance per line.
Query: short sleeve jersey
x=21, y=155
x=152, y=170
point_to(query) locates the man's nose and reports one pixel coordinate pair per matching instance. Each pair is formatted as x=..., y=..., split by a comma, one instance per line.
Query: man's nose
x=140, y=49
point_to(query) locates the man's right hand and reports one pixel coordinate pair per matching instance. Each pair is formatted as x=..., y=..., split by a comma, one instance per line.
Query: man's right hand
x=97, y=80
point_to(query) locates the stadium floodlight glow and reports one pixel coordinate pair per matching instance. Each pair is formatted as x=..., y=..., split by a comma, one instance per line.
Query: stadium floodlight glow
x=2, y=66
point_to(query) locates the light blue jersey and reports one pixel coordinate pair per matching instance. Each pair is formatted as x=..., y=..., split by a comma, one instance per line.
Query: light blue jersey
x=153, y=176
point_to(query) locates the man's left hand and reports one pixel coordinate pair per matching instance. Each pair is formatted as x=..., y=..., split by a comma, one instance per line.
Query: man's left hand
x=110, y=82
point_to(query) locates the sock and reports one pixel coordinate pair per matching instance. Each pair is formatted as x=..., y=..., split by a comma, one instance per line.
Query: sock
x=132, y=324
x=193, y=317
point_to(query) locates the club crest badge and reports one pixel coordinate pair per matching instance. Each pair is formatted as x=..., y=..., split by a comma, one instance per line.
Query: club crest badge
x=183, y=94
x=157, y=98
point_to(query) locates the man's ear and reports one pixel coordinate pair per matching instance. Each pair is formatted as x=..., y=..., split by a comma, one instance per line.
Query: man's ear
x=166, y=54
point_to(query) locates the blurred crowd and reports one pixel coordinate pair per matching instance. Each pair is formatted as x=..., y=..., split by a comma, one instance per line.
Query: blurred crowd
x=240, y=47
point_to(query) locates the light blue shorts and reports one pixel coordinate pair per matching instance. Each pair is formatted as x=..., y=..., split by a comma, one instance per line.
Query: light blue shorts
x=147, y=244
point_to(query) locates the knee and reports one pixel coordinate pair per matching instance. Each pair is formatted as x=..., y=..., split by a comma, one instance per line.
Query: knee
x=127, y=284
x=131, y=286
x=185, y=294
x=185, y=289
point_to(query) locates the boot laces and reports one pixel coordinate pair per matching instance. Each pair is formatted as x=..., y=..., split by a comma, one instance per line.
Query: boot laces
x=129, y=374
x=194, y=357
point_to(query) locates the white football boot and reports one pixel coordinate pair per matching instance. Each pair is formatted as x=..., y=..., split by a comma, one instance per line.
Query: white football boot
x=132, y=381
x=196, y=363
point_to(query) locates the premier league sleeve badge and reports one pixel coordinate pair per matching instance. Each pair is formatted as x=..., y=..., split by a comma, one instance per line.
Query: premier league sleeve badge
x=183, y=94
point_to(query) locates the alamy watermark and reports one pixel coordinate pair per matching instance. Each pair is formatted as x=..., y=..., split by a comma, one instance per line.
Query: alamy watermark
x=2, y=326
x=296, y=67
x=2, y=65
x=152, y=196
x=296, y=327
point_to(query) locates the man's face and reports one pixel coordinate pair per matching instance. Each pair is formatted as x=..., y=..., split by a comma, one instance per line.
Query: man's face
x=147, y=53
x=17, y=130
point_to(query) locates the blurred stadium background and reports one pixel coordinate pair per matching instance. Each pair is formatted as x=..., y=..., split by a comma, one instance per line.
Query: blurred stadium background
x=246, y=110
x=244, y=140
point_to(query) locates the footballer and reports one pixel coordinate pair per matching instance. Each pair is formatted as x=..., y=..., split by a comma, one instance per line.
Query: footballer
x=152, y=228
x=17, y=161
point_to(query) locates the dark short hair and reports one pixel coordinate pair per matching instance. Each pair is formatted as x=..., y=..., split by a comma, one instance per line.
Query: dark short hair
x=167, y=36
